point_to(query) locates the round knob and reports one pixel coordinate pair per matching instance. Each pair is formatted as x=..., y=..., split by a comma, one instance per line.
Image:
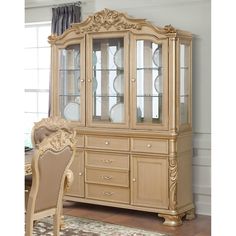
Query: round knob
x=133, y=80
x=134, y=179
x=107, y=142
x=80, y=173
x=89, y=80
x=149, y=145
x=82, y=80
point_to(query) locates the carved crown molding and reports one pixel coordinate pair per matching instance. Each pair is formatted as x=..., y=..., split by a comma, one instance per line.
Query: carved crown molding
x=111, y=20
x=106, y=19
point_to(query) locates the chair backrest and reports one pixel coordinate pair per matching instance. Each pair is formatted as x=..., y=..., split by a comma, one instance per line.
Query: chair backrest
x=51, y=160
x=46, y=127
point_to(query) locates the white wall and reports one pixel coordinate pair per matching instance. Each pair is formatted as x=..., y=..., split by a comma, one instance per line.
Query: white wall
x=190, y=15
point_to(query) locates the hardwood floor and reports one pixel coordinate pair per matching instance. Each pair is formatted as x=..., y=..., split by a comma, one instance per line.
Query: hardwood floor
x=200, y=226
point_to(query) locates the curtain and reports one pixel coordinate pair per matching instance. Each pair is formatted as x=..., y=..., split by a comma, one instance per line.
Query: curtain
x=63, y=17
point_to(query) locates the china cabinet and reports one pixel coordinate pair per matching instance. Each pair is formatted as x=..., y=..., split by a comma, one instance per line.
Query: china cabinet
x=125, y=84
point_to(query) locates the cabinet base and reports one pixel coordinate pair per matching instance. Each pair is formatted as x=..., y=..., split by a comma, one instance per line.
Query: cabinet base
x=175, y=220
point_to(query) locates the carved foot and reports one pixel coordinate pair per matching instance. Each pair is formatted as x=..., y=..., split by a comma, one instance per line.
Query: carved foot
x=190, y=215
x=172, y=220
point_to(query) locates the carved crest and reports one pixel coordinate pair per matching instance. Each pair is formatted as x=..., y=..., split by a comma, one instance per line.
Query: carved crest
x=57, y=141
x=53, y=123
x=169, y=29
x=107, y=19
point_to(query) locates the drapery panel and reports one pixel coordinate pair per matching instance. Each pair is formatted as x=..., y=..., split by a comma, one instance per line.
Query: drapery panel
x=64, y=16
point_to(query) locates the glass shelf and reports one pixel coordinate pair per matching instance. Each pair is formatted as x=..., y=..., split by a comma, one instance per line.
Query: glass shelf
x=122, y=95
x=149, y=95
x=149, y=68
x=67, y=95
x=104, y=69
x=69, y=70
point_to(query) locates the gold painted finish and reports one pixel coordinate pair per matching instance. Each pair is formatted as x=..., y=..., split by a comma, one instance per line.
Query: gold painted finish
x=143, y=161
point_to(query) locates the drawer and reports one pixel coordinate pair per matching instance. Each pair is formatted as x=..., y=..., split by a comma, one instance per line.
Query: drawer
x=111, y=143
x=107, y=193
x=109, y=177
x=149, y=145
x=80, y=141
x=107, y=160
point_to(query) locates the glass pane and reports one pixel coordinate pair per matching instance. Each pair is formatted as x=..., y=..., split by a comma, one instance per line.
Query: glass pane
x=184, y=83
x=149, y=82
x=43, y=101
x=44, y=57
x=30, y=58
x=69, y=91
x=43, y=33
x=43, y=81
x=108, y=82
x=30, y=39
x=30, y=102
x=30, y=79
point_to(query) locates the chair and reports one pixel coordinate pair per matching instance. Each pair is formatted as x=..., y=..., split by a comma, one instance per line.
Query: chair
x=41, y=130
x=47, y=126
x=51, y=160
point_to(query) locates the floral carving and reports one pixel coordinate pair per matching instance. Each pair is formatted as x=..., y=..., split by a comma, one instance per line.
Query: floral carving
x=169, y=29
x=108, y=18
x=173, y=172
x=57, y=141
x=54, y=123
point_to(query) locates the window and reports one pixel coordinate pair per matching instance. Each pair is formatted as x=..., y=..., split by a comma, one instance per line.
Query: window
x=36, y=75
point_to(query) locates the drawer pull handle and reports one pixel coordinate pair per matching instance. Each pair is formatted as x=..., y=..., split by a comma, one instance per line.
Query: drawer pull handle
x=134, y=179
x=106, y=177
x=108, y=193
x=107, y=142
x=149, y=145
x=80, y=173
x=82, y=80
x=107, y=161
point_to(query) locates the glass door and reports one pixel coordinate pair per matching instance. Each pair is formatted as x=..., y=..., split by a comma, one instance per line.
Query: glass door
x=149, y=83
x=184, y=83
x=71, y=83
x=107, y=81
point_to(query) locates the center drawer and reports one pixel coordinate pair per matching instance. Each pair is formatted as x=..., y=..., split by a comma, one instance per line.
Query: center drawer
x=111, y=143
x=109, y=177
x=107, y=160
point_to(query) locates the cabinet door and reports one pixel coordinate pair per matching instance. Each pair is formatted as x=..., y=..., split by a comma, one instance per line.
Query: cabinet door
x=77, y=167
x=70, y=90
x=149, y=181
x=149, y=82
x=107, y=80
